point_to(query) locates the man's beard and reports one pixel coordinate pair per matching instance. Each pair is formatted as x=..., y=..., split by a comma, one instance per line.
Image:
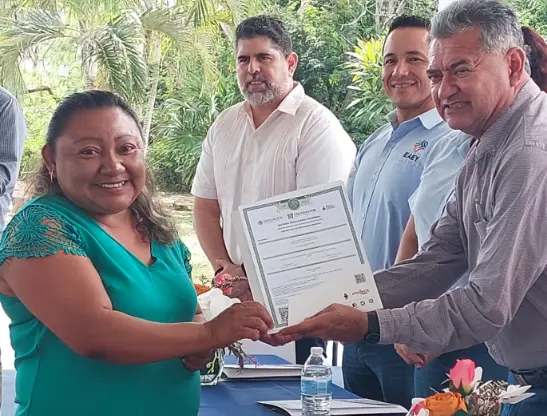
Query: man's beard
x=261, y=98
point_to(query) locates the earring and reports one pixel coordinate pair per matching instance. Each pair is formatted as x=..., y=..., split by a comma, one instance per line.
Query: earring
x=51, y=175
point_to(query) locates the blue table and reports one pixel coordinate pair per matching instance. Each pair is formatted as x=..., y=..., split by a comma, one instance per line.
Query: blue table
x=228, y=398
x=239, y=397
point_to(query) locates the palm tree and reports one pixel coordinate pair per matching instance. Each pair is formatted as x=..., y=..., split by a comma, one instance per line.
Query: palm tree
x=120, y=43
x=192, y=27
x=109, y=47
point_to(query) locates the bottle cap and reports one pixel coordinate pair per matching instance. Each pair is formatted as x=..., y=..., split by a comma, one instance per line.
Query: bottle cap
x=317, y=350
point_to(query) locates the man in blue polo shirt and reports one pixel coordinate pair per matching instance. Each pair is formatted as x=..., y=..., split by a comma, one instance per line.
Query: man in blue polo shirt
x=387, y=171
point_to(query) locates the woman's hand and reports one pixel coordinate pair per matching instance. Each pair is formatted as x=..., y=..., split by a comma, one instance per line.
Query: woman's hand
x=198, y=361
x=248, y=320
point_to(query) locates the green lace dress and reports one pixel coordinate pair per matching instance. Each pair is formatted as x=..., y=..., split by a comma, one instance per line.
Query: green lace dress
x=52, y=380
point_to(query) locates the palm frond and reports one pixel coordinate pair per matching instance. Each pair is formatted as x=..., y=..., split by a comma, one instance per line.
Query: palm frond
x=170, y=22
x=18, y=35
x=50, y=5
x=31, y=26
x=199, y=11
x=117, y=49
x=11, y=76
x=205, y=46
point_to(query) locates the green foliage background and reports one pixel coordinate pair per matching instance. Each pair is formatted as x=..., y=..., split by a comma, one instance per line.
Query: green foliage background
x=338, y=42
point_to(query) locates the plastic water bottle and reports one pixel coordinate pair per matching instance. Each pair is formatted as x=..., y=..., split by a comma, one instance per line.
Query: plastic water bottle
x=316, y=385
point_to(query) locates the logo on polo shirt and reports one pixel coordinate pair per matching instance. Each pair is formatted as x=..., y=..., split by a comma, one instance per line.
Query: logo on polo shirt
x=416, y=149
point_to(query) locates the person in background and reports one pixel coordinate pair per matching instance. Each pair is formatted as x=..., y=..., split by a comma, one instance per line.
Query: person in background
x=13, y=132
x=427, y=203
x=495, y=226
x=387, y=171
x=536, y=51
x=104, y=315
x=278, y=140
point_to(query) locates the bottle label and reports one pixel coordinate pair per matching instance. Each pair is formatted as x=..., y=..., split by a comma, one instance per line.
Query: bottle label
x=316, y=387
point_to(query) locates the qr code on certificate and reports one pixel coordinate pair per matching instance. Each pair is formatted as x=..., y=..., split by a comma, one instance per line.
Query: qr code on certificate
x=284, y=313
x=360, y=278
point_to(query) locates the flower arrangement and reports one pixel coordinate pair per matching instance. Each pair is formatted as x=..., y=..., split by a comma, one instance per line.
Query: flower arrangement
x=213, y=301
x=468, y=395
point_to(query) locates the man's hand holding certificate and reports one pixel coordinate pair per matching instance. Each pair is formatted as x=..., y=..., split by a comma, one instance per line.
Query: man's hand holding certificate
x=302, y=255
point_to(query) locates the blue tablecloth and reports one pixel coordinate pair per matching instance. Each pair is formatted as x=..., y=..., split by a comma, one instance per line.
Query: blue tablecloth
x=239, y=397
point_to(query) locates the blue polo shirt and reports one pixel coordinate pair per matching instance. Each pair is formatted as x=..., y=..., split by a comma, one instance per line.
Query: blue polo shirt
x=387, y=171
x=442, y=166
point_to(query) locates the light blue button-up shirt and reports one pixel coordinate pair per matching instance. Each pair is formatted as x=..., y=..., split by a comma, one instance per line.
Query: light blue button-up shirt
x=387, y=171
x=438, y=181
x=437, y=185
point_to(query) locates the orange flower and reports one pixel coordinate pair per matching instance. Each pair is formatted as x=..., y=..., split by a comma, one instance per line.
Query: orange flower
x=201, y=289
x=445, y=404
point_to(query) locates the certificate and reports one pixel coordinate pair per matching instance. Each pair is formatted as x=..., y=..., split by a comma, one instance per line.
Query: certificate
x=299, y=243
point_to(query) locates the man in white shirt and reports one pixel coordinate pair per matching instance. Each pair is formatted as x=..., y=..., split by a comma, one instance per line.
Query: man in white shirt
x=276, y=141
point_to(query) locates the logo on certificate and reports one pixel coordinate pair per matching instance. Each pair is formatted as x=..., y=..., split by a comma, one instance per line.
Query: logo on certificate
x=293, y=204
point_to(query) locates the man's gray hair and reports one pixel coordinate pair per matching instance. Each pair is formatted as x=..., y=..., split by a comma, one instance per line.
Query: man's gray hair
x=499, y=25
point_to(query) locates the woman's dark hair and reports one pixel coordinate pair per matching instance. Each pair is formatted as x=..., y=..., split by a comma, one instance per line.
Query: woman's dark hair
x=536, y=49
x=151, y=220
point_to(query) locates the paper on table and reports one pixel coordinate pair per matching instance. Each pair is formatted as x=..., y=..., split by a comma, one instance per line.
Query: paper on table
x=345, y=289
x=262, y=371
x=340, y=407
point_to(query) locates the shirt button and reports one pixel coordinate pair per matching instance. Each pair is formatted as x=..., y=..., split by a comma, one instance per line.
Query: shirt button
x=494, y=348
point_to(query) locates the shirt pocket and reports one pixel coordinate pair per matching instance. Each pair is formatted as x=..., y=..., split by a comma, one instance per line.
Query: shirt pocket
x=404, y=169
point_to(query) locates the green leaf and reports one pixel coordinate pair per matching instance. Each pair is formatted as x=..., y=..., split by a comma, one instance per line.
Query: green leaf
x=18, y=35
x=117, y=49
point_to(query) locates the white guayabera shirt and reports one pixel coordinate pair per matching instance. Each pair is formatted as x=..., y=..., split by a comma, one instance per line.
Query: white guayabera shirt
x=301, y=144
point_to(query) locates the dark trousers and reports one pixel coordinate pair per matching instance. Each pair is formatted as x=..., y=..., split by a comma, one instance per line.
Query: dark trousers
x=532, y=406
x=377, y=372
x=304, y=346
x=433, y=375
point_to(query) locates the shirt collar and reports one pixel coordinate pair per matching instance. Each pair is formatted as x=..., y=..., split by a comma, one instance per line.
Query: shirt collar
x=429, y=119
x=289, y=105
x=503, y=125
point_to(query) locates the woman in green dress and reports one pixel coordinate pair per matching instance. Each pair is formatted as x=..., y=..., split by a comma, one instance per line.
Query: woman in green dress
x=104, y=316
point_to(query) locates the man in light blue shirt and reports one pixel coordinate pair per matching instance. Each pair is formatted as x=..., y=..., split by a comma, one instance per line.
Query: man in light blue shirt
x=387, y=171
x=427, y=204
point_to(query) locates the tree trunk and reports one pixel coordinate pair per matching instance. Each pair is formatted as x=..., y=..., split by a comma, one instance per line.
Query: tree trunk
x=90, y=70
x=386, y=10
x=378, y=15
x=154, y=66
x=303, y=4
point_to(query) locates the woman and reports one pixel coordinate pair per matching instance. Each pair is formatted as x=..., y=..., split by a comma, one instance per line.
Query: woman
x=97, y=283
x=536, y=49
x=427, y=203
